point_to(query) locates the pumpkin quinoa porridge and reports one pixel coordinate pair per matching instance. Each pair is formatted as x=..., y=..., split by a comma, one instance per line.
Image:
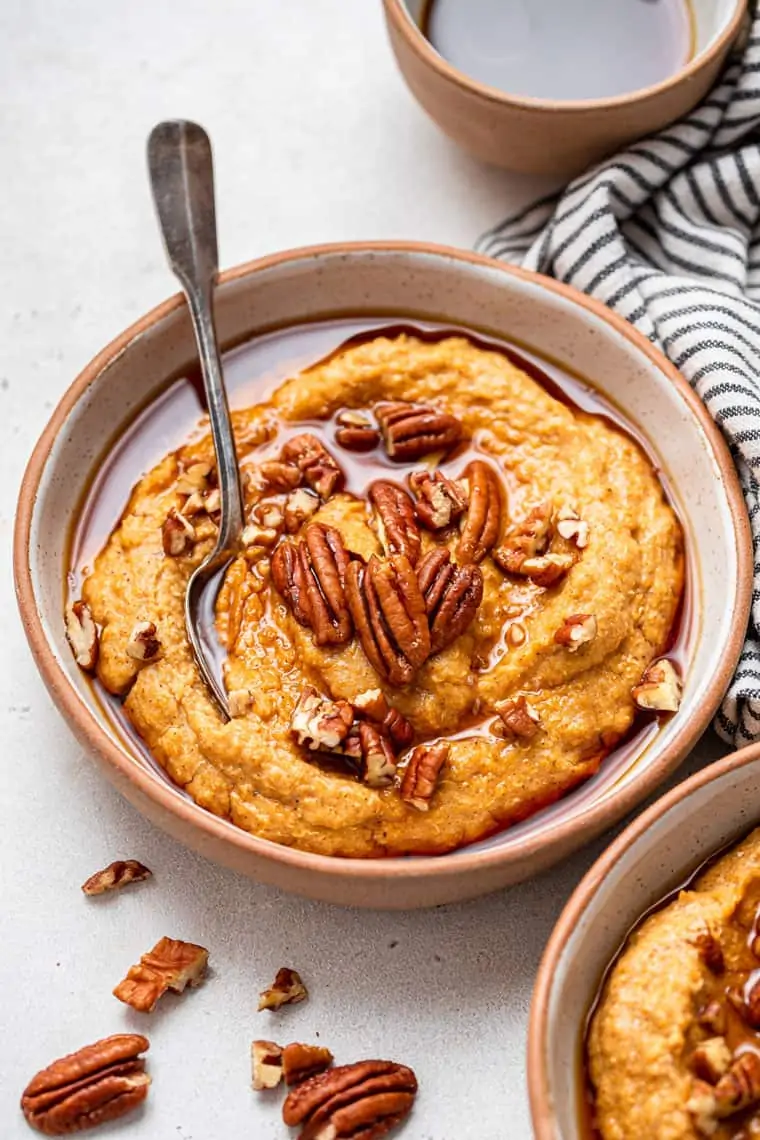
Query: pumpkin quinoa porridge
x=454, y=592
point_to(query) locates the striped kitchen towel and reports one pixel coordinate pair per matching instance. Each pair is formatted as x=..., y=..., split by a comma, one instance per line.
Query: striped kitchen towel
x=667, y=233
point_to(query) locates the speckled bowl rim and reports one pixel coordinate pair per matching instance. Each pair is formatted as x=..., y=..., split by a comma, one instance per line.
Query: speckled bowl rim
x=544, y=1119
x=403, y=22
x=87, y=727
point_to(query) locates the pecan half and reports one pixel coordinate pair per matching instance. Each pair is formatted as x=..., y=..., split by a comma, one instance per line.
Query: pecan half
x=660, y=688
x=97, y=1083
x=170, y=965
x=482, y=523
x=422, y=772
x=374, y=705
x=519, y=717
x=548, y=568
x=526, y=539
x=413, y=430
x=397, y=524
x=143, y=644
x=313, y=460
x=390, y=616
x=266, y=1065
x=452, y=595
x=711, y=1059
x=364, y=1100
x=740, y=1087
x=280, y=476
x=356, y=431
x=576, y=630
x=310, y=575
x=302, y=1061
x=116, y=875
x=286, y=989
x=177, y=534
x=319, y=723
x=82, y=635
x=378, y=760
x=300, y=505
x=440, y=501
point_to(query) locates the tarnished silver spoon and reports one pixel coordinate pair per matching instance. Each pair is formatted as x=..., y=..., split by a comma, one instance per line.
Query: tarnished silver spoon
x=182, y=180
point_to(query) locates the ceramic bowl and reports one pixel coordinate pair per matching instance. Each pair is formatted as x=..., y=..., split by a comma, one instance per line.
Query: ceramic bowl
x=548, y=136
x=444, y=285
x=647, y=861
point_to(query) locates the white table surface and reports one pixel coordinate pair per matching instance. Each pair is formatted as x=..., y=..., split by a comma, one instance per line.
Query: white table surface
x=316, y=139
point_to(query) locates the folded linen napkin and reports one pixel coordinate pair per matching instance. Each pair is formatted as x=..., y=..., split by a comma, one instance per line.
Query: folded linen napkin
x=667, y=233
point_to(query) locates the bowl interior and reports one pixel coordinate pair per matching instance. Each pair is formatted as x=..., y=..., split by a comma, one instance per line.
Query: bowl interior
x=438, y=285
x=716, y=812
x=711, y=17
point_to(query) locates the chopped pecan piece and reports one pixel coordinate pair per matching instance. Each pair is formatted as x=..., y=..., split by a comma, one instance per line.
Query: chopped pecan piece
x=422, y=772
x=281, y=476
x=749, y=1004
x=115, y=876
x=452, y=595
x=390, y=616
x=413, y=430
x=300, y=505
x=364, y=1100
x=170, y=965
x=378, y=760
x=576, y=630
x=310, y=575
x=482, y=522
x=519, y=717
x=374, y=704
x=548, y=568
x=710, y=951
x=740, y=1087
x=143, y=644
x=356, y=431
x=196, y=477
x=177, y=534
x=711, y=1059
x=302, y=1061
x=701, y=1107
x=659, y=690
x=239, y=702
x=571, y=527
x=397, y=525
x=82, y=635
x=286, y=989
x=713, y=1018
x=313, y=460
x=526, y=539
x=319, y=723
x=266, y=1065
x=98, y=1083
x=254, y=535
x=440, y=501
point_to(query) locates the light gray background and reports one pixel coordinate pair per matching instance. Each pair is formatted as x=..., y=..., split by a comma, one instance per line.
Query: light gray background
x=316, y=139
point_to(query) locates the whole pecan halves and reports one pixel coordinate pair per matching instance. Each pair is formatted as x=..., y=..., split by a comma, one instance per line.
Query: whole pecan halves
x=398, y=529
x=389, y=614
x=482, y=523
x=413, y=430
x=310, y=575
x=452, y=595
x=364, y=1100
x=97, y=1083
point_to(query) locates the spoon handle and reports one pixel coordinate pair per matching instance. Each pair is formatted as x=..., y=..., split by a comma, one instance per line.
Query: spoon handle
x=182, y=179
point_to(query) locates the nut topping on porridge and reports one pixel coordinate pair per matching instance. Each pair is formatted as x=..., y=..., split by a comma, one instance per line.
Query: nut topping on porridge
x=170, y=965
x=519, y=717
x=659, y=690
x=356, y=431
x=571, y=527
x=482, y=522
x=286, y=989
x=411, y=431
x=576, y=630
x=526, y=539
x=177, y=534
x=143, y=644
x=300, y=505
x=390, y=616
x=397, y=525
x=313, y=460
x=310, y=575
x=452, y=595
x=82, y=635
x=422, y=772
x=319, y=723
x=440, y=501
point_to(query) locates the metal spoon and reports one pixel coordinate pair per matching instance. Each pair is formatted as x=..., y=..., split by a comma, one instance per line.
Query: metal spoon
x=182, y=180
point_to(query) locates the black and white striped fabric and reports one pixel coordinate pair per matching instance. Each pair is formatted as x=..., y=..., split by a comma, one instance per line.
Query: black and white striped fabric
x=667, y=233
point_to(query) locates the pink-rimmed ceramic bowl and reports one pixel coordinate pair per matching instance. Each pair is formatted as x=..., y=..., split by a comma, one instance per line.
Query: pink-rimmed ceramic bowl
x=425, y=282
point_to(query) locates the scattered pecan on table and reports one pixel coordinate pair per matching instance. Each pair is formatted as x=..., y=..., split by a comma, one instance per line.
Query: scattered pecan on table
x=115, y=876
x=98, y=1083
x=365, y=1099
x=286, y=989
x=170, y=965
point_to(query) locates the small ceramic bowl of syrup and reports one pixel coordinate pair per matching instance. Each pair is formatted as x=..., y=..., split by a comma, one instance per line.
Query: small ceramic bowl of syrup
x=661, y=852
x=139, y=398
x=551, y=86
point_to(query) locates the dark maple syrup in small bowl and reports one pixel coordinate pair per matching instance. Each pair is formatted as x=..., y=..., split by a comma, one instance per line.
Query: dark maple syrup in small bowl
x=253, y=370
